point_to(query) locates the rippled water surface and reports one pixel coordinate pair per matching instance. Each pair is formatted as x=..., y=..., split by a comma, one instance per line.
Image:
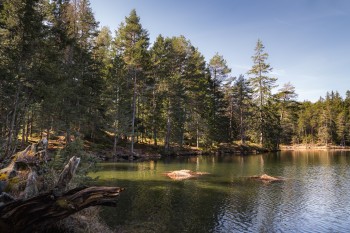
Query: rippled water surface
x=314, y=197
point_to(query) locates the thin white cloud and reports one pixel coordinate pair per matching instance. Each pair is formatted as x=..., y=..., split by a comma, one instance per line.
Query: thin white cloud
x=279, y=72
x=241, y=67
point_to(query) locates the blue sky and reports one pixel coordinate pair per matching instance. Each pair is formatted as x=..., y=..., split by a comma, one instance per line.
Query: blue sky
x=308, y=40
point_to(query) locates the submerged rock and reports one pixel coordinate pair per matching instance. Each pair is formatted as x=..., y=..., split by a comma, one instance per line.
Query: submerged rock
x=267, y=178
x=184, y=174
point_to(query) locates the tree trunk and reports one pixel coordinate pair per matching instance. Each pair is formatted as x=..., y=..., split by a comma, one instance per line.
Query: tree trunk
x=28, y=126
x=154, y=105
x=261, y=105
x=154, y=134
x=10, y=137
x=241, y=126
x=48, y=134
x=16, y=133
x=23, y=135
x=182, y=128
x=167, y=136
x=115, y=141
x=133, y=114
x=37, y=212
x=31, y=124
x=168, y=128
x=197, y=135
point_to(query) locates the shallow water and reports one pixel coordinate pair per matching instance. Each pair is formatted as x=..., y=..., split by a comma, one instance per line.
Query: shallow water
x=314, y=197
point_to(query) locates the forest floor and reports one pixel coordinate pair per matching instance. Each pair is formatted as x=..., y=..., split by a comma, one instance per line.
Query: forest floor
x=149, y=151
x=102, y=148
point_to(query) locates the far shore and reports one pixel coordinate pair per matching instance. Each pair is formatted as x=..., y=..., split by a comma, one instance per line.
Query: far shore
x=313, y=147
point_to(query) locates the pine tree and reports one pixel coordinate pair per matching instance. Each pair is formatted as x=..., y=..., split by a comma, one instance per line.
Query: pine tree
x=196, y=84
x=132, y=42
x=242, y=100
x=271, y=126
x=175, y=98
x=342, y=129
x=261, y=83
x=159, y=71
x=218, y=73
x=21, y=33
x=288, y=107
x=324, y=130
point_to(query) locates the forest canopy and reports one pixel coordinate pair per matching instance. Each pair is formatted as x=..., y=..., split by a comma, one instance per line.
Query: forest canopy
x=62, y=74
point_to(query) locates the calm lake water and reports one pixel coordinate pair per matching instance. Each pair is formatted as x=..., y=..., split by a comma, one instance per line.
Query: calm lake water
x=315, y=197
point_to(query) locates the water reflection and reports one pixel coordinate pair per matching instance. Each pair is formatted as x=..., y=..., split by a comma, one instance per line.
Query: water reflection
x=314, y=197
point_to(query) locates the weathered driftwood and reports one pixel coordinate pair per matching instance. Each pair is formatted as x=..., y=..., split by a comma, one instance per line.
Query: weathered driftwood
x=29, y=215
x=23, y=168
x=66, y=175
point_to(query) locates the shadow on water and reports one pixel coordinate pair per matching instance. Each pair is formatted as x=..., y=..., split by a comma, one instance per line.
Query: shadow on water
x=314, y=197
x=159, y=206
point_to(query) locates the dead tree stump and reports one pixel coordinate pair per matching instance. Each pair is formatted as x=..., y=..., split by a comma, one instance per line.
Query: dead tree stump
x=30, y=213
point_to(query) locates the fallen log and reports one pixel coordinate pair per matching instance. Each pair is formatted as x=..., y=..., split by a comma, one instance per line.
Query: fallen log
x=34, y=213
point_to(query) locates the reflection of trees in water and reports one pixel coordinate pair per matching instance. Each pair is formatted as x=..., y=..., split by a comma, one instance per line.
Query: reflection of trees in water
x=226, y=201
x=179, y=206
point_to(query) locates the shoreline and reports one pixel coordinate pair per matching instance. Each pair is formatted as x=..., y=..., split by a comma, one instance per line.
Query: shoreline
x=145, y=152
x=313, y=147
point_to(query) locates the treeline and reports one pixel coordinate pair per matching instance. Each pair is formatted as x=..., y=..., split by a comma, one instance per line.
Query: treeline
x=327, y=121
x=61, y=74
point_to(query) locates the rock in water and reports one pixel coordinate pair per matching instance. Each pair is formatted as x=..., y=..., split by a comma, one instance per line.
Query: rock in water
x=180, y=175
x=267, y=178
x=184, y=174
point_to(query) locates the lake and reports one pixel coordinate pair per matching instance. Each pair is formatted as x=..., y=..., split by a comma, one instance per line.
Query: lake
x=314, y=197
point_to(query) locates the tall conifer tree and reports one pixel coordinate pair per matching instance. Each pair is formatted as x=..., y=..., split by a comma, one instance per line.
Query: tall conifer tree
x=219, y=71
x=261, y=83
x=132, y=43
x=242, y=100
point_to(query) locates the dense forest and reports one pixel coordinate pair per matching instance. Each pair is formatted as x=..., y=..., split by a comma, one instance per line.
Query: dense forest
x=62, y=74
